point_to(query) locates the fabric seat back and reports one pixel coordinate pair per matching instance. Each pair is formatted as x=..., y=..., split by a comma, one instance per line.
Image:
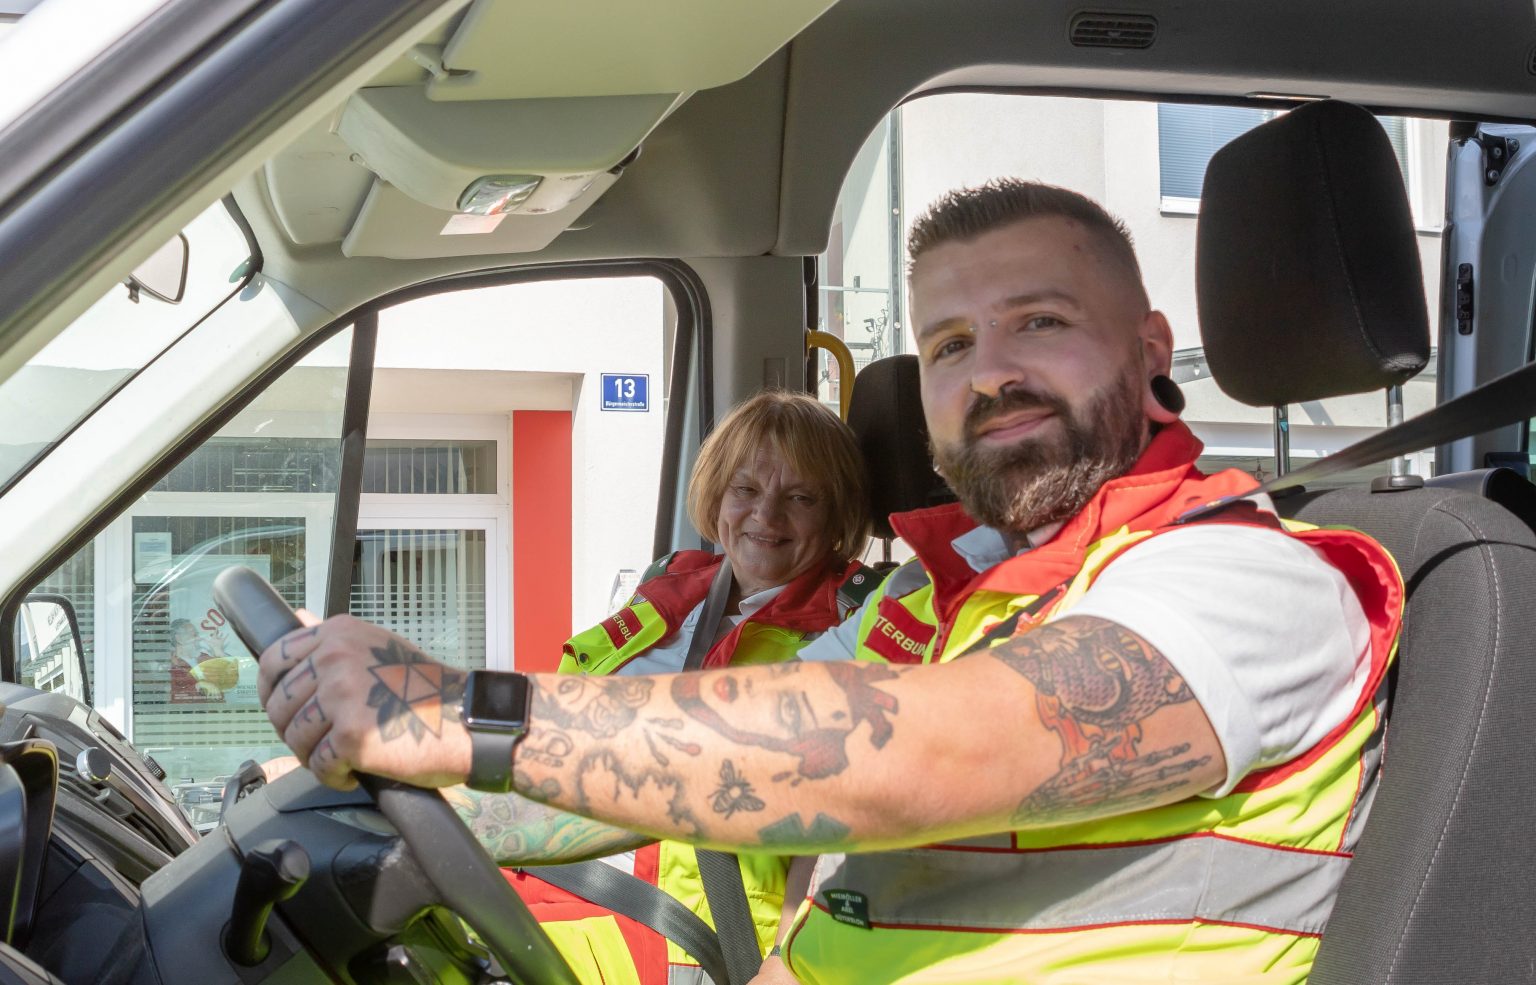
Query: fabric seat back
x=1309, y=287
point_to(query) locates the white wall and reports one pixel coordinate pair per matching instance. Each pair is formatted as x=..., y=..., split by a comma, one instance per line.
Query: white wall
x=539, y=334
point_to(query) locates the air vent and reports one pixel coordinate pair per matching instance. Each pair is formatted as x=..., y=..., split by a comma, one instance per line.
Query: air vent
x=1100, y=30
x=1530, y=60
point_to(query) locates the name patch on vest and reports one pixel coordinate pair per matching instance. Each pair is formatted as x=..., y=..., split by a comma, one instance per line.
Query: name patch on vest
x=847, y=906
x=622, y=626
x=898, y=635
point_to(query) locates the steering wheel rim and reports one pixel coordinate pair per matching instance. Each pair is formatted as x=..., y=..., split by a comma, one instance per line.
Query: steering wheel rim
x=465, y=877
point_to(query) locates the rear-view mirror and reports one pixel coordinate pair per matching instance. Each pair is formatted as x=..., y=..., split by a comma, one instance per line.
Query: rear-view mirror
x=164, y=274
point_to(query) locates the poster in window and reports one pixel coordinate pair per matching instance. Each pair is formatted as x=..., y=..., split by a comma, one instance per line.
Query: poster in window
x=209, y=664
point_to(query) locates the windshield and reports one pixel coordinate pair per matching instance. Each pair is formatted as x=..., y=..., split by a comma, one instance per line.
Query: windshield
x=105, y=347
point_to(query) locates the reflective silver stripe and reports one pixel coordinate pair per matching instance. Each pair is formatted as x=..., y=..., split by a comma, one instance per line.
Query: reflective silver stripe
x=905, y=580
x=1200, y=878
x=1370, y=763
x=685, y=974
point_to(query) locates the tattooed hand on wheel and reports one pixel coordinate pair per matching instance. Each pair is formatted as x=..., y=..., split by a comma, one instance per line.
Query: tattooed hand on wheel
x=346, y=694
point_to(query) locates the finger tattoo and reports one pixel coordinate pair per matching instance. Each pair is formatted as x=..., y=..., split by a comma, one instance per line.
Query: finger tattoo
x=298, y=674
x=312, y=712
x=282, y=650
x=324, y=753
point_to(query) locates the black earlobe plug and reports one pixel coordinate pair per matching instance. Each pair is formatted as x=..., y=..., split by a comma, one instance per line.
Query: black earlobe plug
x=1167, y=393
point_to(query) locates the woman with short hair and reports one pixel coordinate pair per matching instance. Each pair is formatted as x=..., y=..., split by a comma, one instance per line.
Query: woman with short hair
x=779, y=485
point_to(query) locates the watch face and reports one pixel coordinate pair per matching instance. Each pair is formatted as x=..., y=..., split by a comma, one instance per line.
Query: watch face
x=496, y=700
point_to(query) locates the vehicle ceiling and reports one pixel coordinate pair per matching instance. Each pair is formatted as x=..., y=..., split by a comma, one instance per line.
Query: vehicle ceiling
x=754, y=166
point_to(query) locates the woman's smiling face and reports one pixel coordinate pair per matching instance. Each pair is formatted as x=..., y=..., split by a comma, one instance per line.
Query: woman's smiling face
x=772, y=523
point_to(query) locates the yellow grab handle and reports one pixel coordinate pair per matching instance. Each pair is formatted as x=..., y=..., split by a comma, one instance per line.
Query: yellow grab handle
x=839, y=350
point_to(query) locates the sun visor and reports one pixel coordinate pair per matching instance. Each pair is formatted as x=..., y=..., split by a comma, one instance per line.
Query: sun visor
x=393, y=224
x=505, y=50
x=549, y=151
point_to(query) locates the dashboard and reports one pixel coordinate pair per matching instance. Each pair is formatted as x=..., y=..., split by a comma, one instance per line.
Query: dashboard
x=113, y=886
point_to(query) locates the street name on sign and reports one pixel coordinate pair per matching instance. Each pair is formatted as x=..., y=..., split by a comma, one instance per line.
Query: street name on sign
x=628, y=392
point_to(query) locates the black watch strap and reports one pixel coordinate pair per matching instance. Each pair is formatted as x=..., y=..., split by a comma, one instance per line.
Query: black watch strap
x=495, y=710
x=490, y=761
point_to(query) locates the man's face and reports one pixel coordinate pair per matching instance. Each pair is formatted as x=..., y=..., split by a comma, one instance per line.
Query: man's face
x=1035, y=346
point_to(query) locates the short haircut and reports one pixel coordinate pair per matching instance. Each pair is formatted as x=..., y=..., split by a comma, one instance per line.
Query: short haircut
x=819, y=447
x=966, y=213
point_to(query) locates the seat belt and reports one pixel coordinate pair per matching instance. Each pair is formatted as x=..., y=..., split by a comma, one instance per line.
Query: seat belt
x=720, y=872
x=598, y=882
x=1506, y=399
x=729, y=955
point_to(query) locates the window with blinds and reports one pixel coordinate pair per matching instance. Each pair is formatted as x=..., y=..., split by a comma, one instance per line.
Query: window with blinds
x=415, y=467
x=1188, y=136
x=426, y=585
x=199, y=726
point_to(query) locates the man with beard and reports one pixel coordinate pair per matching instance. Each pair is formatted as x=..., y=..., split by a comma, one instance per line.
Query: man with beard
x=1152, y=762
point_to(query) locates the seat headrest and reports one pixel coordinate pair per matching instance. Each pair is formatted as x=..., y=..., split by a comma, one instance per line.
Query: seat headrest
x=886, y=415
x=1307, y=266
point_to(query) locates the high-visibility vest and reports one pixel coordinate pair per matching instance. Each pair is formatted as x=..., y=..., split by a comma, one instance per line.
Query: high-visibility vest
x=604, y=947
x=1230, y=889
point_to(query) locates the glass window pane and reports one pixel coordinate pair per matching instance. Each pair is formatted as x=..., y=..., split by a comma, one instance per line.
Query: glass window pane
x=194, y=683
x=112, y=341
x=444, y=467
x=427, y=585
x=1187, y=136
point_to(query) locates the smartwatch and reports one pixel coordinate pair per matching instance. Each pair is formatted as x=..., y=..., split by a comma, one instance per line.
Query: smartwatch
x=495, y=711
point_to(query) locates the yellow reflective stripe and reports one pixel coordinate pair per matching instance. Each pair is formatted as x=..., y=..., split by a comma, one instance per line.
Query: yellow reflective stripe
x=1200, y=878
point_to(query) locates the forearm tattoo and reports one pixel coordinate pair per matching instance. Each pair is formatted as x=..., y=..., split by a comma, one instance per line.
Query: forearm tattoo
x=519, y=831
x=621, y=748
x=1096, y=683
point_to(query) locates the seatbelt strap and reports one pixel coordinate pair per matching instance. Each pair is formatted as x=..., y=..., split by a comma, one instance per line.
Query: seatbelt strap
x=598, y=882
x=1504, y=400
x=709, y=620
x=720, y=872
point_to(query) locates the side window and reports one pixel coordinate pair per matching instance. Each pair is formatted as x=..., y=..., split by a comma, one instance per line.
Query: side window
x=261, y=493
x=514, y=456
x=508, y=496
x=1145, y=162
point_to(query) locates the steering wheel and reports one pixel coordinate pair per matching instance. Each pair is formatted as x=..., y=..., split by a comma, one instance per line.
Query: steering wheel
x=466, y=879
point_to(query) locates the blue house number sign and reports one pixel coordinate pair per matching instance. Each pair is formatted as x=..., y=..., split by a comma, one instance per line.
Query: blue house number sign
x=628, y=392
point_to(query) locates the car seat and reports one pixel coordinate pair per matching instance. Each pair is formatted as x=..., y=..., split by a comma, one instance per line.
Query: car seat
x=886, y=415
x=1309, y=287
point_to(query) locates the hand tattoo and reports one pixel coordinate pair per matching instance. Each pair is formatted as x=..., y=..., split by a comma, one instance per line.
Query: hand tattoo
x=734, y=793
x=1095, y=683
x=413, y=695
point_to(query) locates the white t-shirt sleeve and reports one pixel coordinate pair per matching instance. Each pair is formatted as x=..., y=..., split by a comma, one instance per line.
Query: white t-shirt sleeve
x=1270, y=637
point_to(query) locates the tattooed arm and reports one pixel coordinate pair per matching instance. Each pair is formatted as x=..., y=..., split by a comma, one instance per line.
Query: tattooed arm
x=1079, y=718
x=519, y=831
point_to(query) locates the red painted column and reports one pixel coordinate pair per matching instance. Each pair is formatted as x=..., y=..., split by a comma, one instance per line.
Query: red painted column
x=541, y=537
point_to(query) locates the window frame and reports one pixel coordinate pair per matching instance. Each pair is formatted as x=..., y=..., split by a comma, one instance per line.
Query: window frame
x=689, y=394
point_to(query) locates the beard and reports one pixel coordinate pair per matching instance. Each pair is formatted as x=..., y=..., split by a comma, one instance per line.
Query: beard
x=1042, y=480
